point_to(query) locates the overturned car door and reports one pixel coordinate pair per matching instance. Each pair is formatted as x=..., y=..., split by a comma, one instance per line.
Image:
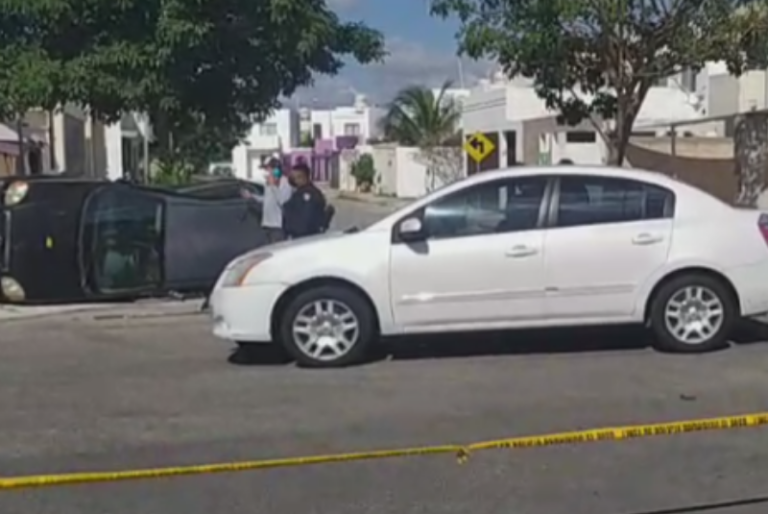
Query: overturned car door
x=203, y=235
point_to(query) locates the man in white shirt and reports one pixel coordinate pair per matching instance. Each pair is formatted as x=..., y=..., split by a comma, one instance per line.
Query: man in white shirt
x=277, y=191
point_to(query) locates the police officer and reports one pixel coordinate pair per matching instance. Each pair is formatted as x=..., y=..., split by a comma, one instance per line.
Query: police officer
x=304, y=214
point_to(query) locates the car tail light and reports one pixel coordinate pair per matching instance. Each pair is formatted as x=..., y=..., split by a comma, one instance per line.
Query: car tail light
x=762, y=225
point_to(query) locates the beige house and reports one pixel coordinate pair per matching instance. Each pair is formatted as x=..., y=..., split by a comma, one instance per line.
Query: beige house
x=67, y=139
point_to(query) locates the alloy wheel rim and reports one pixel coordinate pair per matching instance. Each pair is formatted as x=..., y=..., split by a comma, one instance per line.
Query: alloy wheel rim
x=694, y=314
x=325, y=329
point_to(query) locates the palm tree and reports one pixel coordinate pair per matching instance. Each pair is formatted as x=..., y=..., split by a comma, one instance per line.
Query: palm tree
x=418, y=117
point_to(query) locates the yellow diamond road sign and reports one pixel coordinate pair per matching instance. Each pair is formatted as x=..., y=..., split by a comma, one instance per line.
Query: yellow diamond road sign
x=478, y=146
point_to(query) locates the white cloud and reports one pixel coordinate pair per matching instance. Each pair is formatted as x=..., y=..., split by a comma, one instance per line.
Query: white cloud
x=408, y=63
x=411, y=63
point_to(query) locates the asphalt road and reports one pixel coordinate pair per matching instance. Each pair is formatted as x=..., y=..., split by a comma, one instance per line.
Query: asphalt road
x=105, y=394
x=110, y=394
x=351, y=213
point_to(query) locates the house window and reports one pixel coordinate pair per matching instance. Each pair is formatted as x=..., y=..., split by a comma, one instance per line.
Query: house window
x=351, y=129
x=317, y=131
x=580, y=136
x=268, y=129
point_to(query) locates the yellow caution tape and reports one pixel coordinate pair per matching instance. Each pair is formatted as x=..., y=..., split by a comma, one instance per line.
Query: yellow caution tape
x=626, y=432
x=25, y=482
x=461, y=452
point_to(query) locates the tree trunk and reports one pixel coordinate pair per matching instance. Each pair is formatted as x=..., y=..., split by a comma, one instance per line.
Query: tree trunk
x=619, y=138
x=750, y=144
x=628, y=106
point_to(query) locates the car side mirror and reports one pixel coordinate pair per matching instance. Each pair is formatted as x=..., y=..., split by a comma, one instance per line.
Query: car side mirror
x=411, y=229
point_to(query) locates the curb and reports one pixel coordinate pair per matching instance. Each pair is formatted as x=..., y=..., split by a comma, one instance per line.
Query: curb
x=102, y=312
x=19, y=313
x=148, y=315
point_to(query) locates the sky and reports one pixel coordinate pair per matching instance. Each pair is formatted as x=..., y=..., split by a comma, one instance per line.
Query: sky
x=422, y=51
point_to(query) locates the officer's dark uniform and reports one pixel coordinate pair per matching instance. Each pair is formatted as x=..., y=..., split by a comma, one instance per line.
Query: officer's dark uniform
x=304, y=214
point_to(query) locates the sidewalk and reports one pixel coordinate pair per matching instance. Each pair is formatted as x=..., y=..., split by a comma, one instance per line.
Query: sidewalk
x=367, y=198
x=150, y=308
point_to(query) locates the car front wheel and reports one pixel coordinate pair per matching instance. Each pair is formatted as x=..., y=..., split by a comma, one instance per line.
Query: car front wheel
x=328, y=326
x=693, y=314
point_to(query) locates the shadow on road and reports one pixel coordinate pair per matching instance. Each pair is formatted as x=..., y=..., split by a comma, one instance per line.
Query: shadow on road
x=707, y=507
x=517, y=342
x=259, y=355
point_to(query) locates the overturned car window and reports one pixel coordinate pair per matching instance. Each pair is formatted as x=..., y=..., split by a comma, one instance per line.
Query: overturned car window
x=122, y=240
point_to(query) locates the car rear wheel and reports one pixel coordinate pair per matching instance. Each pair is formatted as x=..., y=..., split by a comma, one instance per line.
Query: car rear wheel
x=329, y=326
x=692, y=314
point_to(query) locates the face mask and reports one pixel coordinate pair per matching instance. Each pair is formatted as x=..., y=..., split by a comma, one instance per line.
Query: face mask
x=276, y=173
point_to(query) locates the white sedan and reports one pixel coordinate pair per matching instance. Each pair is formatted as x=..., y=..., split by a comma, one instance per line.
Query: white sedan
x=517, y=248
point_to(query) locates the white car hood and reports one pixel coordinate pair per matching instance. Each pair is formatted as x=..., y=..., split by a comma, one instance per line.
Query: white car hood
x=276, y=248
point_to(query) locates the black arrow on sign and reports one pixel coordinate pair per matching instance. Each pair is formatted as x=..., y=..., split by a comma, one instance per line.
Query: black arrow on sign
x=478, y=145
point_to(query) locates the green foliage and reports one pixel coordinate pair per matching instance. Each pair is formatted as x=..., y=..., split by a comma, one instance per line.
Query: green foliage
x=192, y=140
x=171, y=173
x=364, y=170
x=307, y=141
x=597, y=59
x=416, y=117
x=198, y=67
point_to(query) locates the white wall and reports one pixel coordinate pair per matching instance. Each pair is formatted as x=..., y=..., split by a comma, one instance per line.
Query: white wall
x=580, y=152
x=113, y=141
x=113, y=138
x=402, y=171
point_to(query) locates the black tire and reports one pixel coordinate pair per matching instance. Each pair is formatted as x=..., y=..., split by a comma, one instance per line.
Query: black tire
x=345, y=296
x=666, y=340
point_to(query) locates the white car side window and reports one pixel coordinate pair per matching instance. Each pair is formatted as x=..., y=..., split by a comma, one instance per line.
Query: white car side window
x=590, y=200
x=493, y=207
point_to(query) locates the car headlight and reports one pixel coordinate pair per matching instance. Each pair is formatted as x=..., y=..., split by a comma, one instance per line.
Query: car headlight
x=16, y=193
x=238, y=271
x=12, y=290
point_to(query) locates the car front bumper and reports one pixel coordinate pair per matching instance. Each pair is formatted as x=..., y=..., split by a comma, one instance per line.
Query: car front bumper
x=244, y=313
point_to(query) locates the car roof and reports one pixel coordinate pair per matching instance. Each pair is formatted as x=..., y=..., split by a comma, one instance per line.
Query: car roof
x=701, y=197
x=565, y=169
x=690, y=200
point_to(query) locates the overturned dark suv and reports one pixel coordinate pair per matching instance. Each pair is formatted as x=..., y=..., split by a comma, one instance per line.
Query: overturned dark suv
x=66, y=239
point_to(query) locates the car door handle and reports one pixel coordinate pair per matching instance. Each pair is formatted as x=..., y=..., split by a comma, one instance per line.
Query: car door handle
x=521, y=251
x=647, y=239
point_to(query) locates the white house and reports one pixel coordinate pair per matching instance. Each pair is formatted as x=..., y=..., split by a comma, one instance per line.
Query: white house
x=722, y=94
x=522, y=129
x=360, y=119
x=278, y=133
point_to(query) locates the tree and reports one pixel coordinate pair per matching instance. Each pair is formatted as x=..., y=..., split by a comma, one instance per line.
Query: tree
x=597, y=59
x=194, y=66
x=418, y=117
